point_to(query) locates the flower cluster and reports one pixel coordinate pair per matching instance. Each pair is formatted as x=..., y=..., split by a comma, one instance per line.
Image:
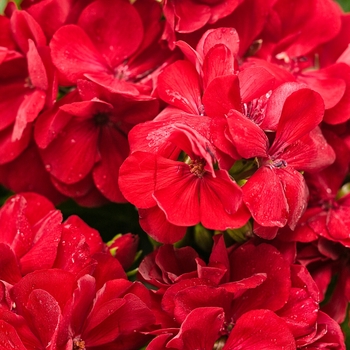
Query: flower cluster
x=219, y=120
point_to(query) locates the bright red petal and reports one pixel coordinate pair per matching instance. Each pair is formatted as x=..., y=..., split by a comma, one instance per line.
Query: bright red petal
x=177, y=192
x=155, y=223
x=114, y=27
x=296, y=193
x=71, y=156
x=260, y=329
x=138, y=168
x=227, y=196
x=264, y=196
x=184, y=93
x=74, y=54
x=302, y=112
x=248, y=138
x=114, y=149
x=222, y=95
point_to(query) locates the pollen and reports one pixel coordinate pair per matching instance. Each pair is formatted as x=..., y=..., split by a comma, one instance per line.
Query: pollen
x=78, y=344
x=197, y=167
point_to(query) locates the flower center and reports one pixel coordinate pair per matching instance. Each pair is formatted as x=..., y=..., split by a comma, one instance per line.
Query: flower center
x=255, y=109
x=28, y=83
x=101, y=118
x=197, y=167
x=78, y=344
x=122, y=72
x=295, y=65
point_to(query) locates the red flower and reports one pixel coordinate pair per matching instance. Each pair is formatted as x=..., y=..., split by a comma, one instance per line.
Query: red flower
x=84, y=141
x=294, y=112
x=185, y=192
x=111, y=45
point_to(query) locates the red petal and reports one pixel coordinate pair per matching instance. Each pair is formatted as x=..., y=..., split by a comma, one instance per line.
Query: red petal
x=115, y=28
x=9, y=338
x=45, y=315
x=331, y=89
x=50, y=14
x=114, y=149
x=255, y=82
x=275, y=104
x=63, y=158
x=310, y=153
x=200, y=329
x=177, y=192
x=260, y=329
x=218, y=62
x=138, y=168
x=10, y=271
x=222, y=95
x=300, y=312
x=186, y=23
x=184, y=93
x=248, y=138
x=24, y=27
x=43, y=252
x=31, y=106
x=9, y=149
x=73, y=253
x=302, y=112
x=264, y=196
x=114, y=85
x=340, y=112
x=11, y=97
x=263, y=260
x=227, y=196
x=74, y=54
x=36, y=68
x=92, y=236
x=49, y=280
x=226, y=36
x=296, y=193
x=50, y=123
x=155, y=223
x=87, y=109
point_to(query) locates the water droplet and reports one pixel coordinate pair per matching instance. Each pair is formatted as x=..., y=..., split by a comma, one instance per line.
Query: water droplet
x=48, y=167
